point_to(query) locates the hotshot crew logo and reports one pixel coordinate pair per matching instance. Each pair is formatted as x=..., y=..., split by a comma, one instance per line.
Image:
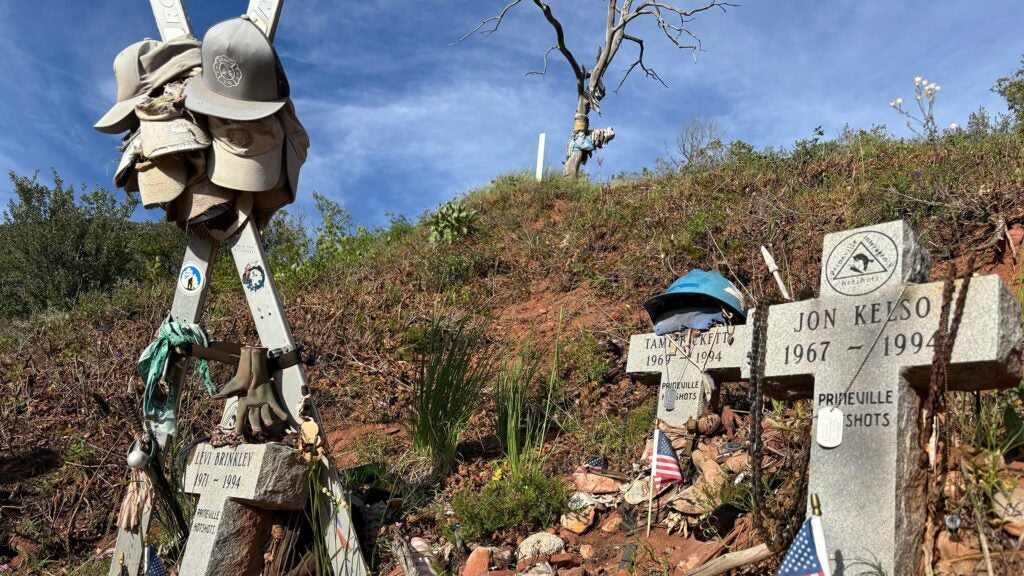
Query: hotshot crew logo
x=861, y=263
x=227, y=71
x=253, y=277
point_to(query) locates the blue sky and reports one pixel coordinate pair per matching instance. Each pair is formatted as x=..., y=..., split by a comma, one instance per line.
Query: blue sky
x=402, y=121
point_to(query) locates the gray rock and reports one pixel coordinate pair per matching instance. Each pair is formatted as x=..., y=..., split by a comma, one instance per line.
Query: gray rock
x=238, y=487
x=539, y=544
x=501, y=557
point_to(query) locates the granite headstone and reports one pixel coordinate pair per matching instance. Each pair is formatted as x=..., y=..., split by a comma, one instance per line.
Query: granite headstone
x=678, y=365
x=863, y=351
x=238, y=487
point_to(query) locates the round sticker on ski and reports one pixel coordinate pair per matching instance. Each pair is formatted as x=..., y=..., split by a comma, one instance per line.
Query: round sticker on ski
x=191, y=278
x=830, y=427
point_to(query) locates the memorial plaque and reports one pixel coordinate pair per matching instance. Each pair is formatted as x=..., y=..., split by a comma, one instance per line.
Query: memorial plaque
x=679, y=367
x=237, y=488
x=866, y=345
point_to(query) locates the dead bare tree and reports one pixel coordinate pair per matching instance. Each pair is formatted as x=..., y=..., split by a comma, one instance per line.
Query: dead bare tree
x=700, y=143
x=671, y=18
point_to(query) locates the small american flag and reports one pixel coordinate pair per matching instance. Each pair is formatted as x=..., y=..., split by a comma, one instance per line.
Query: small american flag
x=154, y=565
x=807, y=555
x=664, y=463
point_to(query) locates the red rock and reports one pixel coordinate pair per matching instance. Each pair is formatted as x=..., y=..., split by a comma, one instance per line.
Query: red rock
x=575, y=571
x=580, y=521
x=594, y=483
x=527, y=562
x=611, y=525
x=569, y=537
x=501, y=573
x=478, y=562
x=563, y=560
x=738, y=462
x=587, y=551
x=396, y=571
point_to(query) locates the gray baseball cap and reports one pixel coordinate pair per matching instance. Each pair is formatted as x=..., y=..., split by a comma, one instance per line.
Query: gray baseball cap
x=242, y=77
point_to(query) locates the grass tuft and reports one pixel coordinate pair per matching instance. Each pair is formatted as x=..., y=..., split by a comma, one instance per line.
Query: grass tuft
x=448, y=388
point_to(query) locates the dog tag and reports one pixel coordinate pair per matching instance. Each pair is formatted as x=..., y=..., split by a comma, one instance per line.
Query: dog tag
x=830, y=427
x=669, y=390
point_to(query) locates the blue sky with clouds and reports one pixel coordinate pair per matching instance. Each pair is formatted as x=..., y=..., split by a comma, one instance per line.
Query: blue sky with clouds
x=401, y=120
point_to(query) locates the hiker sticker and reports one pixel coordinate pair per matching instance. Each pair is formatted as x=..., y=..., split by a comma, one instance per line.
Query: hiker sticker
x=253, y=277
x=861, y=263
x=191, y=278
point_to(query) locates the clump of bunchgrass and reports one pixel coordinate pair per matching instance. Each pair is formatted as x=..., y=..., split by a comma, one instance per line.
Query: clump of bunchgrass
x=448, y=388
x=517, y=427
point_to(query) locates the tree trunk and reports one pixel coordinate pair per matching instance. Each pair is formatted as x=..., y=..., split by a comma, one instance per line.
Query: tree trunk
x=575, y=157
x=573, y=163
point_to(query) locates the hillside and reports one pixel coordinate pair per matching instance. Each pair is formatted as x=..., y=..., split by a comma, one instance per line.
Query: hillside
x=562, y=265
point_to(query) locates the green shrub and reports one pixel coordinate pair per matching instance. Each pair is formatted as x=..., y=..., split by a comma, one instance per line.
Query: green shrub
x=622, y=438
x=54, y=249
x=448, y=388
x=509, y=503
x=450, y=222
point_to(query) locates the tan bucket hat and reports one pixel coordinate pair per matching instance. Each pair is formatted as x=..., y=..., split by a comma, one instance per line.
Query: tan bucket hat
x=246, y=156
x=242, y=77
x=126, y=177
x=166, y=127
x=265, y=204
x=296, y=145
x=200, y=202
x=140, y=70
x=161, y=180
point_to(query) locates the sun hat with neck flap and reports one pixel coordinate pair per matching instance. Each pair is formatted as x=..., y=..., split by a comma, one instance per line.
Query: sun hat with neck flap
x=242, y=77
x=142, y=69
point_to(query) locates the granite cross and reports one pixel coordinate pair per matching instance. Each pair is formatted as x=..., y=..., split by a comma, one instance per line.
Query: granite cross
x=866, y=345
x=238, y=488
x=680, y=366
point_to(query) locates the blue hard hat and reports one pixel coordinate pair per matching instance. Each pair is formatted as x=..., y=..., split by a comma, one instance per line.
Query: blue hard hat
x=702, y=284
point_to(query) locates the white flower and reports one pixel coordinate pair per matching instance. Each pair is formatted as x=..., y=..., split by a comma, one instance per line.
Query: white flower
x=918, y=97
x=898, y=101
x=954, y=126
x=917, y=80
x=936, y=87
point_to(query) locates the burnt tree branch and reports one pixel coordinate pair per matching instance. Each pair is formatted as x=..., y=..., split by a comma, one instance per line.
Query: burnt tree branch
x=577, y=70
x=481, y=27
x=543, y=72
x=649, y=72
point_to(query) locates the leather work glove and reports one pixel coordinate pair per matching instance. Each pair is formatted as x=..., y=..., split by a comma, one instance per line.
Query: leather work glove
x=257, y=404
